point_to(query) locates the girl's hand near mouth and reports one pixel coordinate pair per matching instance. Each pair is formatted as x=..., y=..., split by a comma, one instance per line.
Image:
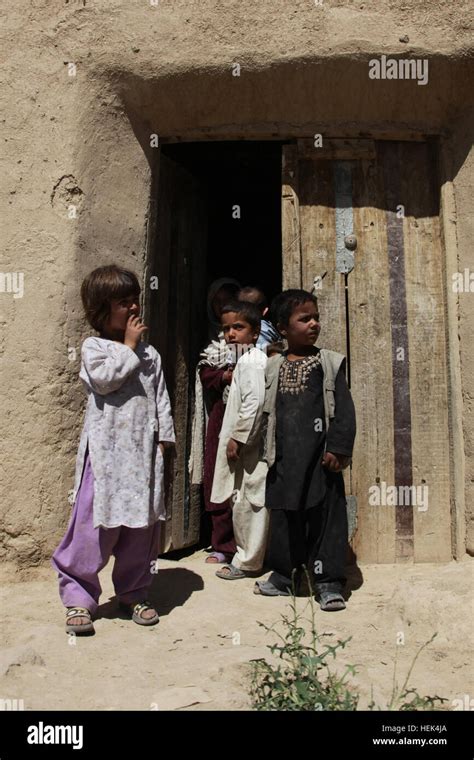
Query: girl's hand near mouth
x=134, y=331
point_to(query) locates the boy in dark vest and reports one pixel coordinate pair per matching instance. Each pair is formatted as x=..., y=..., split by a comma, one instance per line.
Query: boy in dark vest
x=309, y=434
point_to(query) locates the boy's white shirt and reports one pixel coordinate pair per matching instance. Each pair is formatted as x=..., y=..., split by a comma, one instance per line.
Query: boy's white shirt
x=242, y=419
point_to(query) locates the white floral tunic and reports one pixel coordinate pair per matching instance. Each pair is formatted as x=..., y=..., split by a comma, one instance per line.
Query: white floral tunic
x=128, y=411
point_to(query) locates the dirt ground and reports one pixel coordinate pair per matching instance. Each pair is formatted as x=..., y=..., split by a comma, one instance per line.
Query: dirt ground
x=197, y=657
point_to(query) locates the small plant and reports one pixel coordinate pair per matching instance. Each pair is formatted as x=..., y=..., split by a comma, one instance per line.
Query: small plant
x=303, y=680
x=408, y=699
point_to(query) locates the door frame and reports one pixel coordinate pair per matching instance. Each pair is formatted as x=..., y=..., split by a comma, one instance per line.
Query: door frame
x=449, y=247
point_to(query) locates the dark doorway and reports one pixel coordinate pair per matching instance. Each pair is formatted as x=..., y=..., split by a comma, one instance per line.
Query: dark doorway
x=218, y=215
x=247, y=175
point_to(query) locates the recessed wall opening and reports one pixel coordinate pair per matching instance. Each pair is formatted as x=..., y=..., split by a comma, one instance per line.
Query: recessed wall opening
x=231, y=209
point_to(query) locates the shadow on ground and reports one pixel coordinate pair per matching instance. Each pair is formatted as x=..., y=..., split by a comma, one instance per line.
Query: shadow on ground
x=170, y=588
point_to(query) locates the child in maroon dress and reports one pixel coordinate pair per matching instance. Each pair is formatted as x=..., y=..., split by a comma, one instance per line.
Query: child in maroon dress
x=214, y=380
x=215, y=375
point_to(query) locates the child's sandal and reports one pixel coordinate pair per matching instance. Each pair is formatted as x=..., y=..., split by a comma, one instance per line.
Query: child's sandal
x=135, y=610
x=230, y=572
x=81, y=627
x=330, y=597
x=267, y=588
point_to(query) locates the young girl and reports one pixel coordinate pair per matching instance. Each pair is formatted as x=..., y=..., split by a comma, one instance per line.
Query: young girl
x=119, y=493
x=309, y=439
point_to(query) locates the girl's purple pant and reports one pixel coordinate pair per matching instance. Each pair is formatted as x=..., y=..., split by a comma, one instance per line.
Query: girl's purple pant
x=85, y=550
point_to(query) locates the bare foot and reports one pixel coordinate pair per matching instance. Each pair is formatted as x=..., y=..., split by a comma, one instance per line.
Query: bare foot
x=81, y=620
x=216, y=558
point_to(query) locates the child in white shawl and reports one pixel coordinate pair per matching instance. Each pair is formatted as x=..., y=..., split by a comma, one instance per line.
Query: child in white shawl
x=240, y=471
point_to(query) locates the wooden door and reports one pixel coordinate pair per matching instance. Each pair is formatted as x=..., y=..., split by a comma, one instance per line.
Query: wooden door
x=388, y=313
x=176, y=329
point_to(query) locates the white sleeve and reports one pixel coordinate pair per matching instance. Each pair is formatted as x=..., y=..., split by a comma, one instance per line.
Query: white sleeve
x=105, y=367
x=163, y=407
x=251, y=383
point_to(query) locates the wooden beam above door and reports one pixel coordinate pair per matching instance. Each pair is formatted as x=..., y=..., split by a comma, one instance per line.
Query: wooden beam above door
x=336, y=148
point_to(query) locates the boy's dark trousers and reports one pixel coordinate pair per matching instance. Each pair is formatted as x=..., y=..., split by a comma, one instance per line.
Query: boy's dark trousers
x=304, y=537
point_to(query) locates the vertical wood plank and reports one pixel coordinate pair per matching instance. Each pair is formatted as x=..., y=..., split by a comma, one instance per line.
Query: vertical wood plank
x=426, y=298
x=455, y=398
x=290, y=220
x=180, y=252
x=393, y=197
x=318, y=248
x=371, y=374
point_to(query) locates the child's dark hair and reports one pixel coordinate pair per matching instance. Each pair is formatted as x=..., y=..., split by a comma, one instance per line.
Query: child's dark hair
x=252, y=294
x=248, y=311
x=284, y=304
x=102, y=286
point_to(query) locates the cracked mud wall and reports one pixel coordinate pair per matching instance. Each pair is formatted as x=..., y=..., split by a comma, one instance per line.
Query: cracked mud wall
x=79, y=145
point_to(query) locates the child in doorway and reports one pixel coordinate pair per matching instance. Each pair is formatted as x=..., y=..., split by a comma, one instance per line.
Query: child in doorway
x=220, y=292
x=240, y=471
x=308, y=441
x=119, y=494
x=213, y=379
x=268, y=335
